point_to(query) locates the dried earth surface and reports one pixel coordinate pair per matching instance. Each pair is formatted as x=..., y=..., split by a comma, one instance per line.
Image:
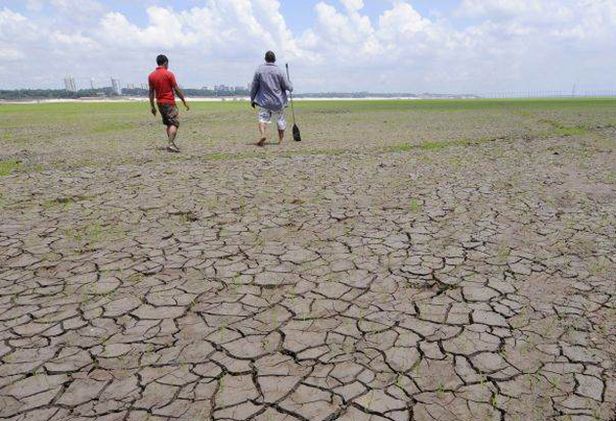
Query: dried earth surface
x=408, y=261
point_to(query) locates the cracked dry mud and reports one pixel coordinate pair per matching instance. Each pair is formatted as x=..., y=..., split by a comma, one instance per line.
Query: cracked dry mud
x=473, y=282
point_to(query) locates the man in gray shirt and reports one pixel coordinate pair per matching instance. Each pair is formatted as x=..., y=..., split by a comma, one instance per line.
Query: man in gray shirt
x=269, y=92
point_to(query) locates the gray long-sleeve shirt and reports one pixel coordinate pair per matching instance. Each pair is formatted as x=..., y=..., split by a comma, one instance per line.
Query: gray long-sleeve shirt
x=269, y=87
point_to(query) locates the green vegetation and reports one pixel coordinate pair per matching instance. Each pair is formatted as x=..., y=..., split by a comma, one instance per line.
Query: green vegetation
x=570, y=131
x=94, y=234
x=600, y=267
x=95, y=135
x=220, y=156
x=63, y=202
x=8, y=167
x=503, y=251
x=113, y=126
x=415, y=205
x=36, y=94
x=520, y=105
x=435, y=146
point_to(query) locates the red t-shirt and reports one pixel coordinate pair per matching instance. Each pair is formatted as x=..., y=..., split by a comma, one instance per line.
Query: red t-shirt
x=163, y=82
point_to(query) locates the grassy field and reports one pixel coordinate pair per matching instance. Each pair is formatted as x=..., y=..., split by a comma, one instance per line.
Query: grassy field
x=410, y=260
x=86, y=134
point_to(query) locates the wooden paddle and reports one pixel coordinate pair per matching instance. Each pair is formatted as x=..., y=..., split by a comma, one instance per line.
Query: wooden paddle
x=296, y=134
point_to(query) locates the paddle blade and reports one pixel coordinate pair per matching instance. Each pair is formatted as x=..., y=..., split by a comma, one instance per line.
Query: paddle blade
x=296, y=134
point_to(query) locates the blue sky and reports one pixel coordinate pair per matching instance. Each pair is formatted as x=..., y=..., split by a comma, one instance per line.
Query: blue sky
x=300, y=14
x=456, y=46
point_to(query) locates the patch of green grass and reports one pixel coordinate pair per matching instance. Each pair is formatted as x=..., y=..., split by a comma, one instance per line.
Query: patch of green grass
x=112, y=127
x=610, y=178
x=599, y=267
x=415, y=205
x=93, y=234
x=64, y=202
x=36, y=168
x=50, y=204
x=229, y=156
x=220, y=156
x=426, y=146
x=8, y=167
x=435, y=145
x=403, y=147
x=503, y=252
x=570, y=131
x=440, y=391
x=327, y=152
x=561, y=130
x=455, y=162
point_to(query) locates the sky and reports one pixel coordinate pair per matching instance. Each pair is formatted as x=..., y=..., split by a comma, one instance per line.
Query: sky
x=414, y=46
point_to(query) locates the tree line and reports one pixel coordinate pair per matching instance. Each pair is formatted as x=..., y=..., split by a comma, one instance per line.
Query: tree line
x=42, y=94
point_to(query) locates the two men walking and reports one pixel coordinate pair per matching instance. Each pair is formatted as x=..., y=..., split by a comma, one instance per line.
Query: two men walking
x=268, y=92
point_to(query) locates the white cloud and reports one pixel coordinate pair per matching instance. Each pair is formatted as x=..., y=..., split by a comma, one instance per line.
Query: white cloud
x=224, y=28
x=353, y=5
x=346, y=35
x=10, y=21
x=8, y=54
x=75, y=40
x=166, y=30
x=402, y=20
x=16, y=32
x=570, y=18
x=509, y=43
x=501, y=8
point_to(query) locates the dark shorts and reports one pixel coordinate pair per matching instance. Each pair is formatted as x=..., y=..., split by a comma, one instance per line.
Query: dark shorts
x=170, y=114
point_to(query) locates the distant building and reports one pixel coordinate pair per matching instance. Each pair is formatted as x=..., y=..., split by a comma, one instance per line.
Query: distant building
x=222, y=88
x=69, y=84
x=115, y=86
x=92, y=84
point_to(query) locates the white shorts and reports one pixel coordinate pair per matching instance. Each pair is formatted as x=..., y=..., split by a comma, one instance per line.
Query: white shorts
x=265, y=116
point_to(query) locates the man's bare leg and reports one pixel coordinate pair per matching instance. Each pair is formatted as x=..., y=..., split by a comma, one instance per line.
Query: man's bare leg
x=280, y=136
x=172, y=132
x=263, y=132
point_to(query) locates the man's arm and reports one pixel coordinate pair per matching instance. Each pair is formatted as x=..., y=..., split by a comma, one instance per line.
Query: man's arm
x=180, y=94
x=254, y=89
x=152, y=96
x=178, y=90
x=286, y=83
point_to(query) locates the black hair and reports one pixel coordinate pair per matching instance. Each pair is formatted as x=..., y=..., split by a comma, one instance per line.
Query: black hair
x=270, y=57
x=162, y=59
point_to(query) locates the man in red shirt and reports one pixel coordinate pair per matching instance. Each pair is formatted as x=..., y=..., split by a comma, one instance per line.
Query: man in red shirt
x=163, y=86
